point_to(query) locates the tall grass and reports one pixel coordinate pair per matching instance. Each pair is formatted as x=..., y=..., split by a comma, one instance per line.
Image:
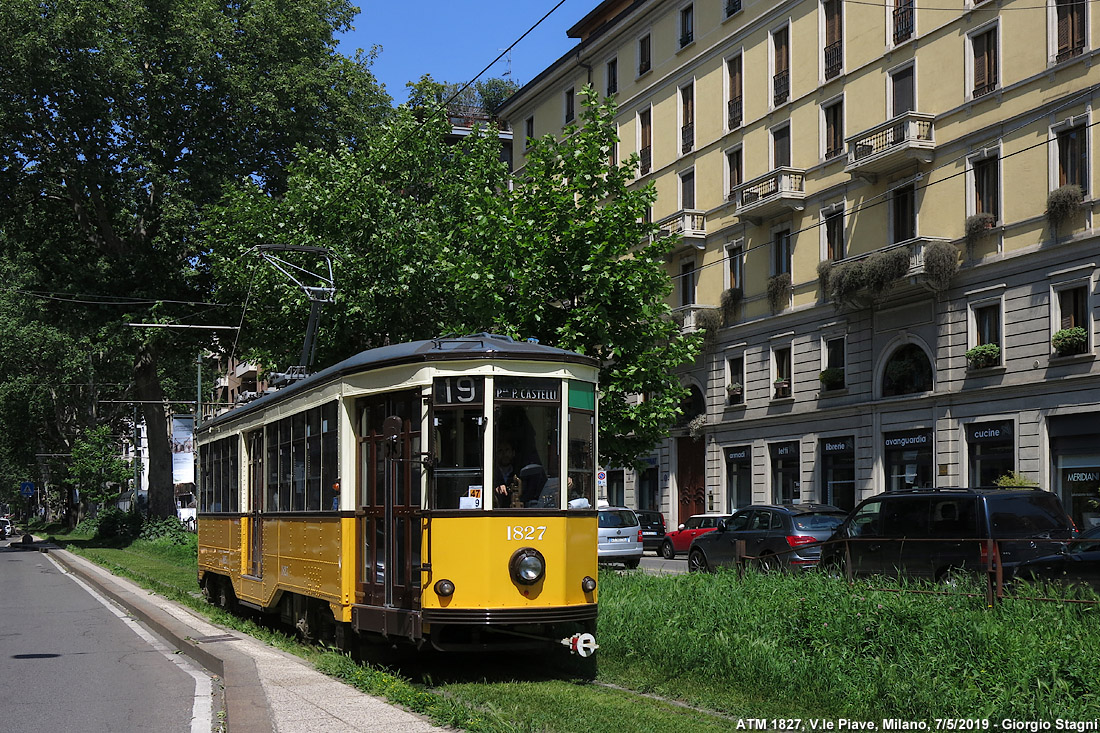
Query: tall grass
x=830, y=648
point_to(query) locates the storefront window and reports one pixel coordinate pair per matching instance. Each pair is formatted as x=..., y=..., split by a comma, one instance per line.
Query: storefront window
x=647, y=486
x=785, y=469
x=908, y=459
x=738, y=477
x=992, y=451
x=1076, y=459
x=838, y=472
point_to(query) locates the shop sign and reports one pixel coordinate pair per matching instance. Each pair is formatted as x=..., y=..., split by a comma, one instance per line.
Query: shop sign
x=908, y=440
x=784, y=450
x=989, y=432
x=833, y=446
x=739, y=453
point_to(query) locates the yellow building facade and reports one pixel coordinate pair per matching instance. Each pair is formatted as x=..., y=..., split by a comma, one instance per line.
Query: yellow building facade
x=885, y=220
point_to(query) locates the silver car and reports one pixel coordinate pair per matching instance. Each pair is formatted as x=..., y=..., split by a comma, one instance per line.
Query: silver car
x=620, y=536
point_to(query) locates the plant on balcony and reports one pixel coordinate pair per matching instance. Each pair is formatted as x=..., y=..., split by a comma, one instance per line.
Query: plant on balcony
x=978, y=227
x=846, y=280
x=678, y=317
x=734, y=389
x=1062, y=203
x=984, y=356
x=832, y=378
x=779, y=291
x=941, y=262
x=782, y=388
x=731, y=304
x=883, y=269
x=824, y=269
x=710, y=321
x=1070, y=341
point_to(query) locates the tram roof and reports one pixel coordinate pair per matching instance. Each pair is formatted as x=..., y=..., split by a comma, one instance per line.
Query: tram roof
x=452, y=348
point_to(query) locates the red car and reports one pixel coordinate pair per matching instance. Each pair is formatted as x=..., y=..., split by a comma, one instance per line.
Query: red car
x=679, y=540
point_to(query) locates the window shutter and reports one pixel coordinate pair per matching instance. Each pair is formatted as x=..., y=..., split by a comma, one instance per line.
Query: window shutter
x=980, y=51
x=1065, y=11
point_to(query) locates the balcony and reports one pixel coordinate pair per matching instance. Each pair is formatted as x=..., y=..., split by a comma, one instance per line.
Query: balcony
x=693, y=317
x=915, y=247
x=245, y=371
x=782, y=190
x=689, y=224
x=892, y=145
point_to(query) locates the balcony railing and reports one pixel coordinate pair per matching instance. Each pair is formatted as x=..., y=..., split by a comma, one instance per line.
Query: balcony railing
x=732, y=7
x=1065, y=54
x=690, y=224
x=687, y=137
x=781, y=87
x=892, y=145
x=735, y=110
x=245, y=370
x=686, y=38
x=985, y=89
x=915, y=246
x=780, y=190
x=646, y=163
x=834, y=54
x=692, y=316
x=903, y=22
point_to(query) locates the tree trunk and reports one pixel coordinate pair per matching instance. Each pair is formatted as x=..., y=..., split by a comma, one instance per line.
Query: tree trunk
x=149, y=392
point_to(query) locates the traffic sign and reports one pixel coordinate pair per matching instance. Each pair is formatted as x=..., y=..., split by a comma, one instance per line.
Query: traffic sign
x=27, y=489
x=601, y=479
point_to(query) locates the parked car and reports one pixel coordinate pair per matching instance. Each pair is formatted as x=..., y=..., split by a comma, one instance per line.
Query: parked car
x=679, y=540
x=5, y=527
x=1077, y=564
x=620, y=536
x=653, y=528
x=943, y=531
x=777, y=536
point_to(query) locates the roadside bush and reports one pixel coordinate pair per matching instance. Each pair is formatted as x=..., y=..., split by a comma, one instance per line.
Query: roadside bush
x=115, y=524
x=165, y=529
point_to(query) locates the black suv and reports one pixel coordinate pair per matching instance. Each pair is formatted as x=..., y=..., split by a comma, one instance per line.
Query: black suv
x=653, y=528
x=932, y=532
x=784, y=536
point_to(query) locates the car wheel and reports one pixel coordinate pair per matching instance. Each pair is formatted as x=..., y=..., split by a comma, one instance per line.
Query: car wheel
x=632, y=563
x=667, y=552
x=766, y=563
x=697, y=562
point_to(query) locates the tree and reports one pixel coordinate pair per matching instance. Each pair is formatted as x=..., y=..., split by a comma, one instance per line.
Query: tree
x=96, y=467
x=121, y=122
x=428, y=240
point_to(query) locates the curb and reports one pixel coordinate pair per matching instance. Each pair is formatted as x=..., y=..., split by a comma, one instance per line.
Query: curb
x=246, y=704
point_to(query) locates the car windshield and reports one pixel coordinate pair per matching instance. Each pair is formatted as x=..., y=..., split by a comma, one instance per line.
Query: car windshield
x=1028, y=516
x=818, y=522
x=615, y=518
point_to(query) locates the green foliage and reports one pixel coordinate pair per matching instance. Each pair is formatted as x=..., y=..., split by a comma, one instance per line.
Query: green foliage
x=1062, y=203
x=832, y=378
x=1014, y=480
x=115, y=524
x=885, y=268
x=978, y=226
x=824, y=269
x=941, y=263
x=984, y=356
x=96, y=465
x=731, y=304
x=710, y=320
x=846, y=280
x=1070, y=341
x=779, y=291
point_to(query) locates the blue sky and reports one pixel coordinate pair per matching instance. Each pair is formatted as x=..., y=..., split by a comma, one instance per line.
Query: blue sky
x=453, y=41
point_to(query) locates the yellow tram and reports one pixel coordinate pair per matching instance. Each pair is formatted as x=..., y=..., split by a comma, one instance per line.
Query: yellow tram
x=438, y=491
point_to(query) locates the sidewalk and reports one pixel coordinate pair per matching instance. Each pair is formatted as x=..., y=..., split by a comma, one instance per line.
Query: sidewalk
x=265, y=689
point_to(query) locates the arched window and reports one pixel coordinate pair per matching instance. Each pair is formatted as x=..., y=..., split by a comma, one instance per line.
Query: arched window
x=907, y=371
x=692, y=406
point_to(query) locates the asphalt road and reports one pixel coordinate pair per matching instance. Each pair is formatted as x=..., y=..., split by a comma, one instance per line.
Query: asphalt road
x=71, y=660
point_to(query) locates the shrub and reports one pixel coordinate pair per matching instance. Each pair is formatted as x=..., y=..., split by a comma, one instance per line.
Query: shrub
x=696, y=425
x=978, y=226
x=731, y=302
x=168, y=530
x=824, y=269
x=709, y=321
x=846, y=279
x=941, y=262
x=886, y=268
x=779, y=291
x=984, y=356
x=832, y=378
x=1070, y=341
x=1013, y=480
x=1062, y=203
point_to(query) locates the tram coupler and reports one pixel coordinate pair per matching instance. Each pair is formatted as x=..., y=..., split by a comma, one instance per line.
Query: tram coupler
x=583, y=644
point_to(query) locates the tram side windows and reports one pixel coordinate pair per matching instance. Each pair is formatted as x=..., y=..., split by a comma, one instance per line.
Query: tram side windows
x=330, y=460
x=582, y=445
x=219, y=492
x=527, y=425
x=302, y=460
x=457, y=441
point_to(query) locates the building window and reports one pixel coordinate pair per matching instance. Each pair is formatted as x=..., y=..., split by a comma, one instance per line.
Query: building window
x=838, y=472
x=1071, y=311
x=902, y=90
x=987, y=188
x=991, y=451
x=1072, y=148
x=687, y=283
x=781, y=252
x=732, y=7
x=528, y=132
x=833, y=118
x=781, y=147
x=781, y=372
x=834, y=47
x=903, y=20
x=984, y=61
x=908, y=458
x=687, y=118
x=612, y=74
x=735, y=386
x=907, y=371
x=687, y=25
x=738, y=477
x=645, y=59
x=735, y=107
x=785, y=470
x=687, y=190
x=1070, y=29
x=735, y=168
x=985, y=322
x=781, y=68
x=735, y=266
x=903, y=213
x=834, y=233
x=570, y=106
x=645, y=141
x=833, y=373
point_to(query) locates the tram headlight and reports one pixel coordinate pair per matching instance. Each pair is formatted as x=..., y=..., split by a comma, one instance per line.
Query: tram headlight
x=588, y=584
x=527, y=566
x=444, y=588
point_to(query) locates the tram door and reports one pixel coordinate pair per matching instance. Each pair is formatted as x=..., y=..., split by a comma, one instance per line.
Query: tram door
x=256, y=503
x=388, y=507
